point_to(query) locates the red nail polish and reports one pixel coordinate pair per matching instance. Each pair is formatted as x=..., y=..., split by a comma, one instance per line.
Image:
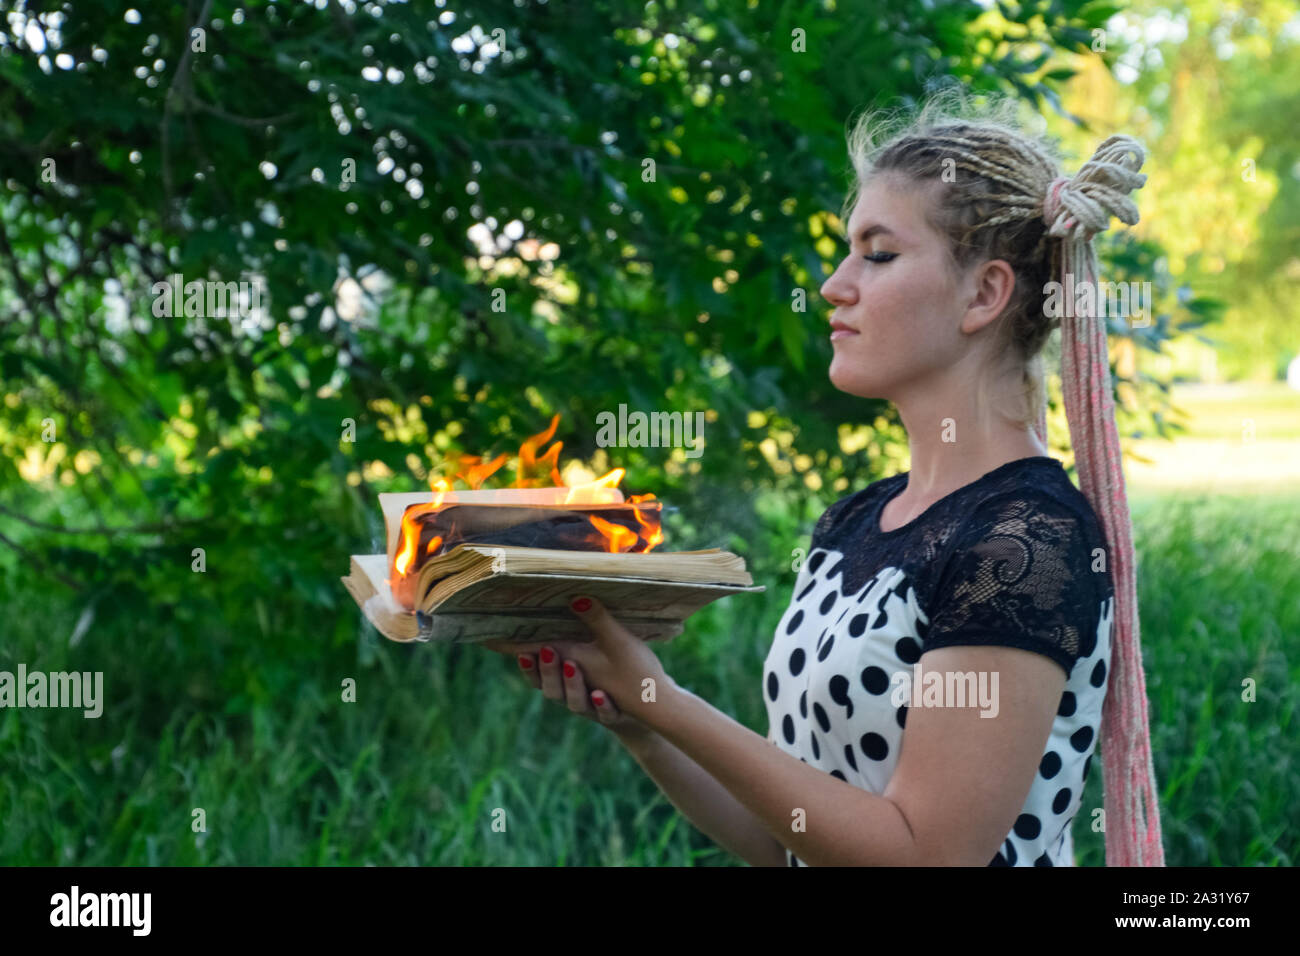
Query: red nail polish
x=525, y=663
x=598, y=699
x=568, y=669
x=548, y=655
x=582, y=604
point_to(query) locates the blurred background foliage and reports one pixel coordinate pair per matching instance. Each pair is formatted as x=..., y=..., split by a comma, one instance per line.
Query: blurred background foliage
x=502, y=254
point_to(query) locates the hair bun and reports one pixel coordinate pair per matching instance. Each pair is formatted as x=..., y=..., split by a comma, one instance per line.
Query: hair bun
x=1081, y=207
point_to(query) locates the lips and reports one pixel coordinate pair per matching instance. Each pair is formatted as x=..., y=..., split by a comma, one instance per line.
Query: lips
x=838, y=326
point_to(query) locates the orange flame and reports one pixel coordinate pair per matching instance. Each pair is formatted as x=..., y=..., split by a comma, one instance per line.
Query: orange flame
x=616, y=537
x=473, y=471
x=656, y=532
x=529, y=461
x=410, y=537
x=478, y=472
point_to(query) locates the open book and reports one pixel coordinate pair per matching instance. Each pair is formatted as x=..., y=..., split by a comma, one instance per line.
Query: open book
x=486, y=589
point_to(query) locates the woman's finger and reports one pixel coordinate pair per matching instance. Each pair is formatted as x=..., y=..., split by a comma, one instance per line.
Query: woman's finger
x=549, y=666
x=575, y=690
x=528, y=666
x=603, y=704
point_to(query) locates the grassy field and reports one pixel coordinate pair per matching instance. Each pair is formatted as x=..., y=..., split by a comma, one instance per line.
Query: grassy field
x=440, y=738
x=441, y=741
x=1242, y=440
x=1229, y=410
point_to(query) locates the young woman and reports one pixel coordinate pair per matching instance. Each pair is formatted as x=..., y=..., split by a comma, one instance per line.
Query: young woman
x=963, y=633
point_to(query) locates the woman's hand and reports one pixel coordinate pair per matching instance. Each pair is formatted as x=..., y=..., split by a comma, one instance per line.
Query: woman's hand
x=564, y=681
x=623, y=671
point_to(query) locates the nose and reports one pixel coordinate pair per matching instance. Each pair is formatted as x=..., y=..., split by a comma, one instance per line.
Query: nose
x=838, y=290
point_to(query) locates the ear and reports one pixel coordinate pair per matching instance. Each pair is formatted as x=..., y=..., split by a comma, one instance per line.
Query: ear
x=989, y=289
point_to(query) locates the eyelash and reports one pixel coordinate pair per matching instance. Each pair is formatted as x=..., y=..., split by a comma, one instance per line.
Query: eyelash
x=873, y=257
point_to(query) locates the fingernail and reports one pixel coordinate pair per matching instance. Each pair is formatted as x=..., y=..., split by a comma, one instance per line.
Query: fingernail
x=581, y=604
x=568, y=669
x=525, y=663
x=548, y=655
x=598, y=698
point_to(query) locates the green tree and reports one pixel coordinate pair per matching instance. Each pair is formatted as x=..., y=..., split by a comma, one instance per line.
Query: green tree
x=565, y=208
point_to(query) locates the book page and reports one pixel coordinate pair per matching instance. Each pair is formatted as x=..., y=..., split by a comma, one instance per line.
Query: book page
x=528, y=607
x=551, y=594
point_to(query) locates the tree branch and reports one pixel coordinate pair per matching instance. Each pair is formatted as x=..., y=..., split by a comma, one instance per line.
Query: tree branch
x=158, y=528
x=41, y=565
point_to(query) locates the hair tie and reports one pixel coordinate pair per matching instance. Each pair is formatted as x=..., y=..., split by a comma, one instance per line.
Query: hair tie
x=1052, y=203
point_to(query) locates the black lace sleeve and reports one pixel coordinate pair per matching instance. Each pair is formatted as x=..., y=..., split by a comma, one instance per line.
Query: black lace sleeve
x=1019, y=573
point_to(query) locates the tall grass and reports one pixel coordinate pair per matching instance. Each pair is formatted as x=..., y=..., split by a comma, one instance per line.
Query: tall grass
x=442, y=742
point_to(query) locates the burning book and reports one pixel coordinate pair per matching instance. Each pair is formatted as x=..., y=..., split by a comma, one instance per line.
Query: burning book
x=504, y=564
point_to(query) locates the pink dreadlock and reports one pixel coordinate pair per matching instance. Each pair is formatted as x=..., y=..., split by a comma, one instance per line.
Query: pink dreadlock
x=1076, y=210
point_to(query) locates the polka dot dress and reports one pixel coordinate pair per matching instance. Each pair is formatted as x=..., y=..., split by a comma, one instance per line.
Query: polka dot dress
x=1015, y=558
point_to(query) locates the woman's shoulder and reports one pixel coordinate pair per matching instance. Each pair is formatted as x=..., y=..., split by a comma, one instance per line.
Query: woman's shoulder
x=1028, y=566
x=1037, y=502
x=1034, y=534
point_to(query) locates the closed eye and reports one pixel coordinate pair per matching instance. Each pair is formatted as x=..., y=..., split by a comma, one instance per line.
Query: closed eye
x=876, y=257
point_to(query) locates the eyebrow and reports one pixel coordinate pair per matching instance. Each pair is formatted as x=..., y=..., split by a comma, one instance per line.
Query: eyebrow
x=879, y=228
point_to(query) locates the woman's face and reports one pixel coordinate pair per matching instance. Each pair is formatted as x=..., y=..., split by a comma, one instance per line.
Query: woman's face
x=896, y=292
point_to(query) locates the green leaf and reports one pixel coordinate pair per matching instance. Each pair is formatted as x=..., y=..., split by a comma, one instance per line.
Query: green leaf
x=167, y=389
x=792, y=336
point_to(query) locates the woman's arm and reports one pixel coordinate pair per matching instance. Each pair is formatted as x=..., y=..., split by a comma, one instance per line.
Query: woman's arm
x=960, y=782
x=702, y=800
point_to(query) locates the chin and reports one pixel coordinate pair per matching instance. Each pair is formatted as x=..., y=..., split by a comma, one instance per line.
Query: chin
x=849, y=377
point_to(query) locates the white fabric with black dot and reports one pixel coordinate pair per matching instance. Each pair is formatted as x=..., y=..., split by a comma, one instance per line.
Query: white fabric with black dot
x=1009, y=559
